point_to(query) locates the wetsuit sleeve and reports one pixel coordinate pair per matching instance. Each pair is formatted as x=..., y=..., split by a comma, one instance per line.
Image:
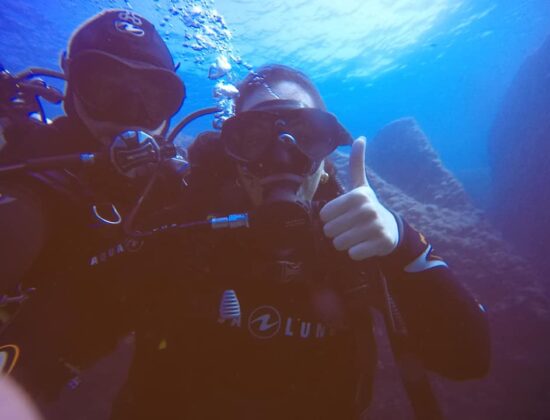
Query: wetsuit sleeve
x=22, y=232
x=446, y=327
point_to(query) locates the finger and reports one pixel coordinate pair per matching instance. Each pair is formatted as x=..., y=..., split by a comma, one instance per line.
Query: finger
x=363, y=250
x=342, y=204
x=352, y=237
x=357, y=162
x=335, y=208
x=359, y=216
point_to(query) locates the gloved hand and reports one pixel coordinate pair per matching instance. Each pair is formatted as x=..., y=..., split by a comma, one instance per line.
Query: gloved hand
x=356, y=221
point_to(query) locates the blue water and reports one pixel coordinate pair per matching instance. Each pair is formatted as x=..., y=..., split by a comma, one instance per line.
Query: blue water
x=447, y=63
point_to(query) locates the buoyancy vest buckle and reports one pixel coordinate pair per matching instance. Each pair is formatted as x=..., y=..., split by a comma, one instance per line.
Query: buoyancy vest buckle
x=114, y=218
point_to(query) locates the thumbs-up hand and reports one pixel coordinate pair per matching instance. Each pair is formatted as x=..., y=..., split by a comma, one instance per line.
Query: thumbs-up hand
x=356, y=221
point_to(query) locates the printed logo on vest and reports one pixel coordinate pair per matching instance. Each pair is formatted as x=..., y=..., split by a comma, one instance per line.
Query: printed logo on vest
x=289, y=270
x=264, y=322
x=129, y=245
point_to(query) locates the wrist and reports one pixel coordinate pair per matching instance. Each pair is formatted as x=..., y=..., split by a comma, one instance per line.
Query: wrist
x=410, y=245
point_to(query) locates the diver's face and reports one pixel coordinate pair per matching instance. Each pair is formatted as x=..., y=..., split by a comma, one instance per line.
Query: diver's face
x=252, y=183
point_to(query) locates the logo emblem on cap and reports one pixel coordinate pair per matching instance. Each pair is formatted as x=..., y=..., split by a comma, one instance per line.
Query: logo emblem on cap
x=130, y=24
x=129, y=28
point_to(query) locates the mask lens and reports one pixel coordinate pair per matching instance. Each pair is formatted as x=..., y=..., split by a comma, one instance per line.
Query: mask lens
x=114, y=91
x=246, y=137
x=317, y=132
x=162, y=93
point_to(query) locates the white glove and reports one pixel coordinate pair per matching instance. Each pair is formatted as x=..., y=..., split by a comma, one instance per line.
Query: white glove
x=356, y=221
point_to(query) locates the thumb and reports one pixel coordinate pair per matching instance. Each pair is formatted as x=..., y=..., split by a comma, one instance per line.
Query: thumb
x=357, y=163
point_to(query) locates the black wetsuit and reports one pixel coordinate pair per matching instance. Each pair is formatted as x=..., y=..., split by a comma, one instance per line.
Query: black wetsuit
x=294, y=350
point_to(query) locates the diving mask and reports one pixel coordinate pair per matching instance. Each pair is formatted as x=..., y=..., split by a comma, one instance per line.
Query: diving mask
x=117, y=91
x=309, y=135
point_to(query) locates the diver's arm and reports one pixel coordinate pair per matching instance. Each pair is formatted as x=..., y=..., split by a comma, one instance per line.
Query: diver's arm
x=22, y=233
x=448, y=328
x=59, y=326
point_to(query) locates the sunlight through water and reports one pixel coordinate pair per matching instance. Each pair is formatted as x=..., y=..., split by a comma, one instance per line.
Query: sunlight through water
x=322, y=36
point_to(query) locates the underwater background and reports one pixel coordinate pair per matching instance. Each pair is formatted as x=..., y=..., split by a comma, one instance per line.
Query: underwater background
x=454, y=97
x=448, y=63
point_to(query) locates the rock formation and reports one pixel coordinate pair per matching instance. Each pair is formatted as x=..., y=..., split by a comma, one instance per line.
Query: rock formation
x=520, y=152
x=414, y=165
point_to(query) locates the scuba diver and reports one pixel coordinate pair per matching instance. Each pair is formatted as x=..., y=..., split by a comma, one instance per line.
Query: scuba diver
x=71, y=190
x=271, y=318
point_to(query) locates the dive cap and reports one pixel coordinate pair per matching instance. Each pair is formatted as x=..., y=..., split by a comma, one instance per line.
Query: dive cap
x=124, y=36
